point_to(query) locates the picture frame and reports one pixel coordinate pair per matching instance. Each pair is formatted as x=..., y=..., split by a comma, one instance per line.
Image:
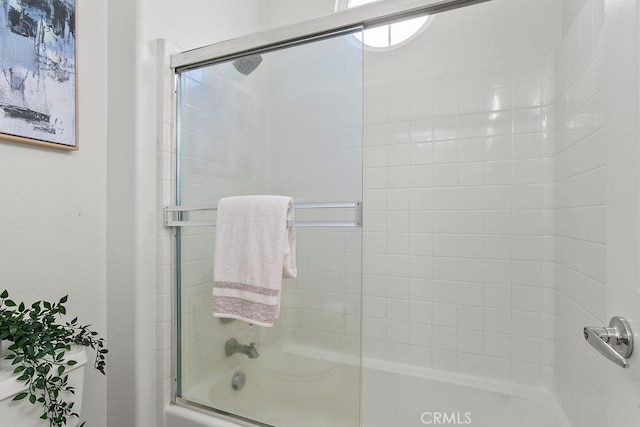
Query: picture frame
x=38, y=73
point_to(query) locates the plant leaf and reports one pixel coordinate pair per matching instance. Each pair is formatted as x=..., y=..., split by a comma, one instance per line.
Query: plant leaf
x=39, y=344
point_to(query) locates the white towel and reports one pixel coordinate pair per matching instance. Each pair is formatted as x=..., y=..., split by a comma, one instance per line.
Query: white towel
x=255, y=249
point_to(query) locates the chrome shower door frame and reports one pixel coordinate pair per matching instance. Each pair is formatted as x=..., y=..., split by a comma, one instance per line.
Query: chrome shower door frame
x=365, y=16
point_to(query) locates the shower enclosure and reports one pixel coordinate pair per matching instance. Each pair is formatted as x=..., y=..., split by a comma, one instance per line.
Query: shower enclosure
x=466, y=203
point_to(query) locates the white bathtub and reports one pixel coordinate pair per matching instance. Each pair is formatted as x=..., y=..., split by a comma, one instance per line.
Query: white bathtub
x=405, y=395
x=394, y=395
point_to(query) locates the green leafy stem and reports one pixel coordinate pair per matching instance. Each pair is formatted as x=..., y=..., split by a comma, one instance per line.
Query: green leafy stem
x=38, y=350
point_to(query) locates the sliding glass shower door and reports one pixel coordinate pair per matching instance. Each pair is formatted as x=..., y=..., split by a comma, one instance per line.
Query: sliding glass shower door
x=286, y=122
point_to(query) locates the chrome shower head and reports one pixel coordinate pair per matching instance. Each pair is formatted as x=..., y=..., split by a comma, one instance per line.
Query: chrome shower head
x=247, y=64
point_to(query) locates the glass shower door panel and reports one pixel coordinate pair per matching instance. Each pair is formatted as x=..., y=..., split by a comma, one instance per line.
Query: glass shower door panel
x=285, y=122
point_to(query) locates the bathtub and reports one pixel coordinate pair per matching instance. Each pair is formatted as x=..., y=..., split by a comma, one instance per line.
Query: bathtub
x=293, y=387
x=405, y=395
x=394, y=394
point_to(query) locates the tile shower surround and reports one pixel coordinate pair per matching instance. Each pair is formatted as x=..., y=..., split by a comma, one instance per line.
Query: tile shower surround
x=581, y=168
x=482, y=187
x=459, y=268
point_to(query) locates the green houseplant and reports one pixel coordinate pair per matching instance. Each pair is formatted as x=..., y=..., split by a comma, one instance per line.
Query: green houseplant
x=39, y=342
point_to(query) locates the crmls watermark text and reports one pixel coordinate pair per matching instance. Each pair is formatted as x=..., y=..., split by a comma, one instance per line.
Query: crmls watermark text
x=443, y=418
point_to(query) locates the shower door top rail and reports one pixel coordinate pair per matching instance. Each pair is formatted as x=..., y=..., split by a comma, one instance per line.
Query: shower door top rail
x=171, y=211
x=343, y=21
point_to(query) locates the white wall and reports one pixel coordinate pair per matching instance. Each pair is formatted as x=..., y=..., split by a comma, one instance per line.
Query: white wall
x=121, y=238
x=277, y=13
x=571, y=10
x=54, y=207
x=196, y=23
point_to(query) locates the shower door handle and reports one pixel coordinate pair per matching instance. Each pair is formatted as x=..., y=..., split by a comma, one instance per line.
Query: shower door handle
x=614, y=342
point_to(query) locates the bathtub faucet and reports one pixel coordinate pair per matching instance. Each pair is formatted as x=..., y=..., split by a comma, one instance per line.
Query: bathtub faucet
x=233, y=346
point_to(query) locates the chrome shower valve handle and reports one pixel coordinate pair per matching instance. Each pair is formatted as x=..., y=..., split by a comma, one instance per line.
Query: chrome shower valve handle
x=614, y=342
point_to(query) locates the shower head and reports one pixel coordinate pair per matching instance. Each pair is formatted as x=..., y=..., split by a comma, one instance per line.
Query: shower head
x=247, y=64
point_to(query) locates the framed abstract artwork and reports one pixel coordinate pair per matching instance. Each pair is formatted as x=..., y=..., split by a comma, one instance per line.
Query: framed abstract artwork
x=38, y=72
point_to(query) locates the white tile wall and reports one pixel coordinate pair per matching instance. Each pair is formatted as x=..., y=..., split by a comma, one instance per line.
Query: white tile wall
x=487, y=198
x=580, y=215
x=457, y=201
